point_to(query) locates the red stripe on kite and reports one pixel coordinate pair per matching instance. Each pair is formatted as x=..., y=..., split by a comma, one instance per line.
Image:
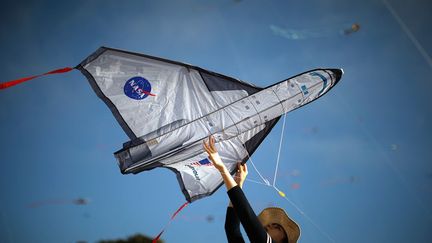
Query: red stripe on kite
x=146, y=92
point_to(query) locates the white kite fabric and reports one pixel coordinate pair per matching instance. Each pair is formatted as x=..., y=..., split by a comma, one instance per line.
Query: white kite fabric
x=168, y=108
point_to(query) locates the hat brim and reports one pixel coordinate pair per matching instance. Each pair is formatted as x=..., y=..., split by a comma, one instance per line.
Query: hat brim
x=274, y=215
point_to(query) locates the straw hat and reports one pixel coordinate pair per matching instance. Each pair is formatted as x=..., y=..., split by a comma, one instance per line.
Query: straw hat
x=273, y=215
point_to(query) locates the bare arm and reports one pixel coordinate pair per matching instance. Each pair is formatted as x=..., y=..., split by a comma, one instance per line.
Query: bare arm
x=210, y=148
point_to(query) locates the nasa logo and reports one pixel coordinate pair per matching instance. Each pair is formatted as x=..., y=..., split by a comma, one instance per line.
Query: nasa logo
x=137, y=88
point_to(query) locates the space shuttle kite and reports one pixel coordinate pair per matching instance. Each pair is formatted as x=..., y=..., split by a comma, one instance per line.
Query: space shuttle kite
x=168, y=108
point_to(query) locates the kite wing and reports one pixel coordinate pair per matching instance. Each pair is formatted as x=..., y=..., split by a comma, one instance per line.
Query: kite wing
x=147, y=93
x=168, y=108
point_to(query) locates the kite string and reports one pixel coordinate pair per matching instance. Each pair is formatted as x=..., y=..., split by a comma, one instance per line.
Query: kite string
x=398, y=173
x=298, y=209
x=307, y=217
x=254, y=181
x=408, y=33
x=267, y=183
x=279, y=151
x=282, y=194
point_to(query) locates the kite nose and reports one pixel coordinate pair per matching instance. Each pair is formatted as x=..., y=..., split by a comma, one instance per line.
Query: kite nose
x=338, y=74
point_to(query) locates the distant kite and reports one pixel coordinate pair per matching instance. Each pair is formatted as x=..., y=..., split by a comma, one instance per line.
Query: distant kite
x=78, y=201
x=168, y=108
x=314, y=33
x=295, y=186
x=341, y=180
x=394, y=147
x=354, y=28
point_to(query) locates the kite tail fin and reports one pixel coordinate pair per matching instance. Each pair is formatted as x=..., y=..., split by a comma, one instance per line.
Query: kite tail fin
x=11, y=83
x=155, y=240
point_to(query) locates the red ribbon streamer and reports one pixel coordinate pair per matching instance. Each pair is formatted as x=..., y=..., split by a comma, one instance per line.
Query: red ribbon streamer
x=8, y=84
x=172, y=217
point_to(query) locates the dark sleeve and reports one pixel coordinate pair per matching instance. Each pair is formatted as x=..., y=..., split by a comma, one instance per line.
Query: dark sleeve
x=232, y=227
x=247, y=216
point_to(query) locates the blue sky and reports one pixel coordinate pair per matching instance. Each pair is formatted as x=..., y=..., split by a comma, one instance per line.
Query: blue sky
x=360, y=155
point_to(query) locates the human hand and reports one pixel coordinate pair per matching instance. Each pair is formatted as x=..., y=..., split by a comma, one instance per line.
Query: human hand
x=213, y=155
x=241, y=174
